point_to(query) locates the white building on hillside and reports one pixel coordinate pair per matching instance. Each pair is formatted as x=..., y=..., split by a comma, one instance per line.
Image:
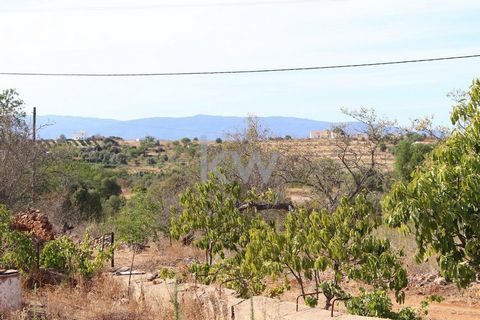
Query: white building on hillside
x=80, y=135
x=322, y=134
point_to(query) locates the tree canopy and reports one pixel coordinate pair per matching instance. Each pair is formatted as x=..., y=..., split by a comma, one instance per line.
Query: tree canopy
x=441, y=204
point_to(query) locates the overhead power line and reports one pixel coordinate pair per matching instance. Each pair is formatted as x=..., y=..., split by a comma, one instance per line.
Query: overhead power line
x=156, y=74
x=168, y=6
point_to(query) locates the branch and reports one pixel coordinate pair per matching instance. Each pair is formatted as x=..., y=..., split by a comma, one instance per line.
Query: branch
x=287, y=206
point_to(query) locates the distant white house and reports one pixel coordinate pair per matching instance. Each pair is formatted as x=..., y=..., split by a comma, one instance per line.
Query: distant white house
x=80, y=135
x=322, y=134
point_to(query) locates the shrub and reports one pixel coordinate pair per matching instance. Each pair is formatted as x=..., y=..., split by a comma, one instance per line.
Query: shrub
x=185, y=141
x=383, y=147
x=65, y=256
x=59, y=255
x=371, y=304
x=378, y=304
x=16, y=248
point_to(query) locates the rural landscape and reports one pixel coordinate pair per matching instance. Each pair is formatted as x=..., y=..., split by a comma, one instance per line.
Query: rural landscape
x=239, y=160
x=374, y=220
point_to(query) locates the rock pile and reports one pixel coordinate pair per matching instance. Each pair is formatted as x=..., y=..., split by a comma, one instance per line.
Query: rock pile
x=34, y=222
x=427, y=279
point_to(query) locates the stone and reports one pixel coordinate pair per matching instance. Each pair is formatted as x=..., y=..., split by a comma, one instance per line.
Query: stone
x=440, y=281
x=151, y=276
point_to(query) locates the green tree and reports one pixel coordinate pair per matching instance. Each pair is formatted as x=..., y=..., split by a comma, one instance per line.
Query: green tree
x=313, y=242
x=185, y=141
x=408, y=156
x=148, y=142
x=88, y=201
x=221, y=216
x=211, y=208
x=110, y=187
x=137, y=222
x=440, y=205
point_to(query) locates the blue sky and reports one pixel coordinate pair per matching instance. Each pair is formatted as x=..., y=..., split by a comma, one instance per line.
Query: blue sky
x=108, y=36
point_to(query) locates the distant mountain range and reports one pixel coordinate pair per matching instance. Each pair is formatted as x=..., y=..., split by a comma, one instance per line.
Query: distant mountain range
x=201, y=126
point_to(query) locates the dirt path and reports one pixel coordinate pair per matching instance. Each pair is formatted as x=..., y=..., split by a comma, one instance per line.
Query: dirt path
x=223, y=304
x=459, y=305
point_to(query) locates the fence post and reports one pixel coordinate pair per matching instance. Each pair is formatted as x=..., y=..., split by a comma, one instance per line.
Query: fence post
x=112, y=240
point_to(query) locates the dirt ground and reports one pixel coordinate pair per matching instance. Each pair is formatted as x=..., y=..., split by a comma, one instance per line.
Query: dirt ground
x=458, y=304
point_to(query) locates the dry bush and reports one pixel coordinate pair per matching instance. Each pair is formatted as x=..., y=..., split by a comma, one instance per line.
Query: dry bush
x=193, y=307
x=104, y=298
x=160, y=254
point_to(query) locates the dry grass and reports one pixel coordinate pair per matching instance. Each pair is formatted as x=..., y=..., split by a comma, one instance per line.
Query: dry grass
x=103, y=299
x=106, y=299
x=320, y=148
x=409, y=246
x=160, y=254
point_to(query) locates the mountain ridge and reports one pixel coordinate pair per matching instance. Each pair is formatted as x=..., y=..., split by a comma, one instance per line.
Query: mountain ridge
x=174, y=128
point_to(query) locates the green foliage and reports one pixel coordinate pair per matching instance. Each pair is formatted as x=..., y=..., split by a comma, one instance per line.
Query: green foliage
x=210, y=208
x=12, y=114
x=440, y=204
x=148, y=142
x=372, y=304
x=88, y=201
x=137, y=222
x=383, y=146
x=311, y=301
x=218, y=140
x=151, y=161
x=90, y=260
x=408, y=156
x=18, y=251
x=185, y=141
x=84, y=188
x=166, y=273
x=316, y=241
x=414, y=137
x=59, y=255
x=16, y=248
x=64, y=256
x=210, y=211
x=378, y=304
x=110, y=187
x=113, y=205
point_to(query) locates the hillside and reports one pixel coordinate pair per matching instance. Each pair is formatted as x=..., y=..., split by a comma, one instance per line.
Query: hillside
x=209, y=127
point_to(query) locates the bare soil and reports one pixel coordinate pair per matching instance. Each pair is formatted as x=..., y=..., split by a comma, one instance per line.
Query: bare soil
x=458, y=305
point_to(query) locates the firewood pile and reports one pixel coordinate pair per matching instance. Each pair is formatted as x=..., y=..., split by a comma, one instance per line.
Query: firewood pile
x=34, y=222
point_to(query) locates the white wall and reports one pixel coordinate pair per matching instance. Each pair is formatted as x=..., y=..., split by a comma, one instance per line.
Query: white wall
x=10, y=292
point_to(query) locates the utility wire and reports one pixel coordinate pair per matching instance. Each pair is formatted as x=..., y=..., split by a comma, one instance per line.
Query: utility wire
x=168, y=6
x=342, y=66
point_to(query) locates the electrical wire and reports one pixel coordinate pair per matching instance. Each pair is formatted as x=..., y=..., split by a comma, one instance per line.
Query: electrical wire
x=193, y=73
x=168, y=6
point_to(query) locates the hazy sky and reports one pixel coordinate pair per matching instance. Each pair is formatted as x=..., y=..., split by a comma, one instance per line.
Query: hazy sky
x=125, y=36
